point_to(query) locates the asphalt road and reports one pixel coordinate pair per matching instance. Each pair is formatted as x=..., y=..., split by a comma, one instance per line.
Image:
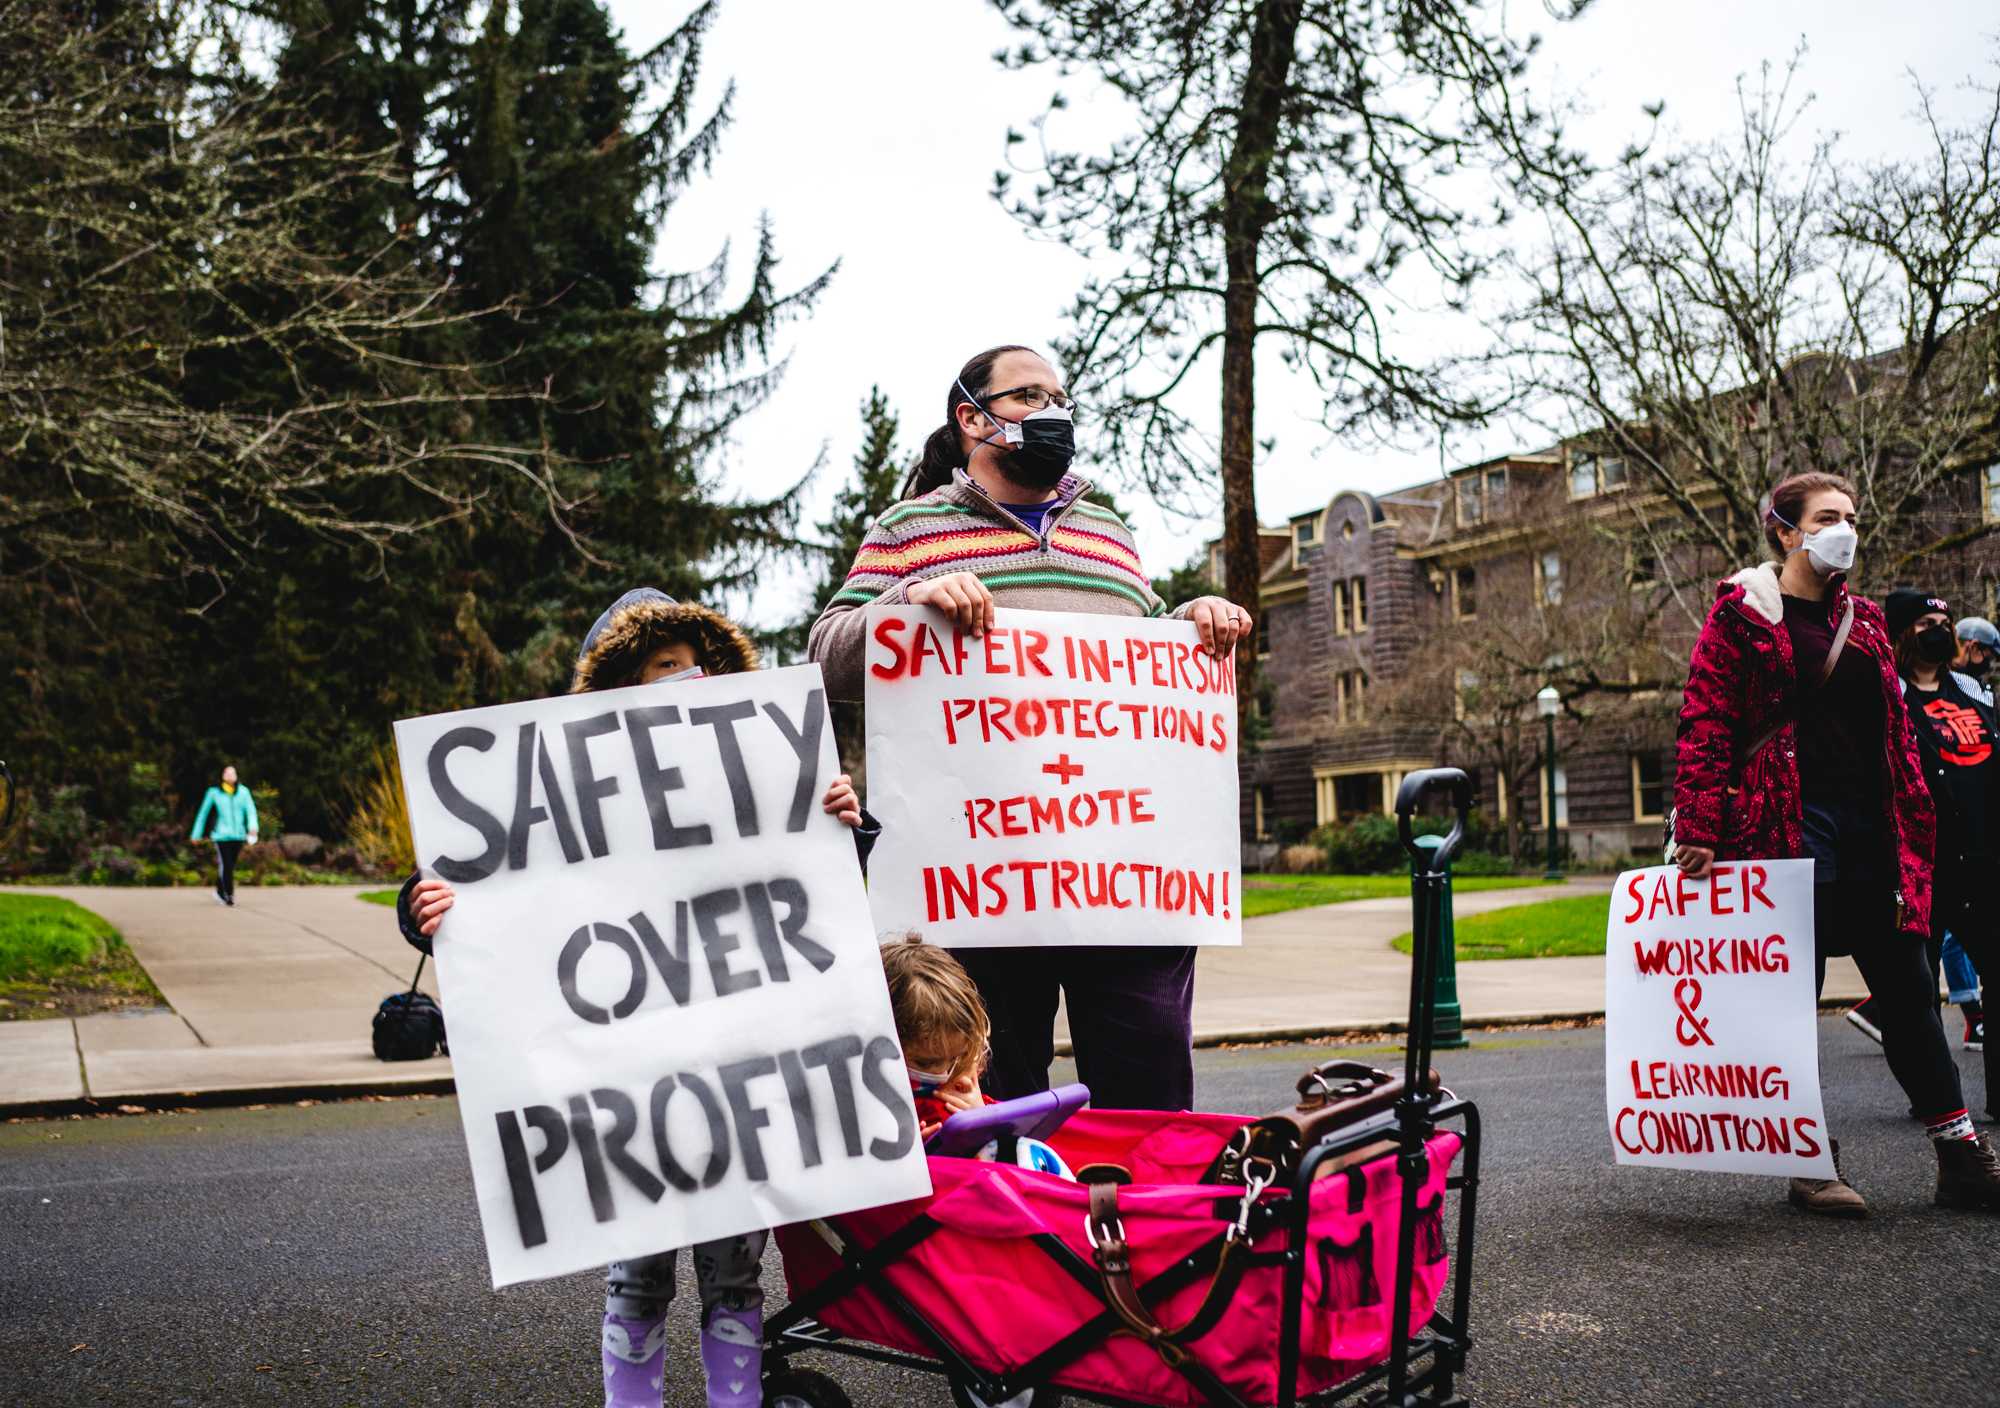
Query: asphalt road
x=330, y=1255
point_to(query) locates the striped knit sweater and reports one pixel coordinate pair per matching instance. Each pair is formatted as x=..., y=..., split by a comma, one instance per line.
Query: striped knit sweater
x=1084, y=559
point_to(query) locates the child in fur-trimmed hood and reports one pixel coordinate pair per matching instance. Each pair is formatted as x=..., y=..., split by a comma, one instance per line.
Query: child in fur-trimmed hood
x=642, y=637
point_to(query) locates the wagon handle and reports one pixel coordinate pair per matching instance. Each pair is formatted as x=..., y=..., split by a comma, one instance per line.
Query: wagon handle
x=1412, y=792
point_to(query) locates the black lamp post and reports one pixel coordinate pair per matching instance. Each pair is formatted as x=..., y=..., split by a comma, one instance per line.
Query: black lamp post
x=1549, y=703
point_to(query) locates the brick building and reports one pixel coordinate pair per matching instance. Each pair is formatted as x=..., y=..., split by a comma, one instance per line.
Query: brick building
x=1409, y=629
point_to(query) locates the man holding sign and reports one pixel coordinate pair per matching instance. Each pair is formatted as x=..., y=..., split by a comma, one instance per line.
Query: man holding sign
x=668, y=1016
x=993, y=518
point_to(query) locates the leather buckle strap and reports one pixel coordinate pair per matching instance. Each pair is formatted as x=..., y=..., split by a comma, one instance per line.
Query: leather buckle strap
x=1105, y=1231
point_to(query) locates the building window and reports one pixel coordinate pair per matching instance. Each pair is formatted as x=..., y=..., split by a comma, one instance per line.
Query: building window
x=1465, y=594
x=1357, y=595
x=1562, y=797
x=1993, y=493
x=1642, y=569
x=1470, y=509
x=1340, y=608
x=1262, y=804
x=1305, y=532
x=1496, y=492
x=1649, y=787
x=1591, y=474
x=1549, y=579
x=1466, y=699
x=1341, y=797
x=1350, y=697
x=1347, y=531
x=1264, y=637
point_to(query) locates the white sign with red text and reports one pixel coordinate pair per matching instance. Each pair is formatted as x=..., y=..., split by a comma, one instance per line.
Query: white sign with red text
x=1711, y=1021
x=1063, y=779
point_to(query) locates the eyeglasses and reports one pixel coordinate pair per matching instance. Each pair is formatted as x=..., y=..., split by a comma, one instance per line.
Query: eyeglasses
x=1035, y=398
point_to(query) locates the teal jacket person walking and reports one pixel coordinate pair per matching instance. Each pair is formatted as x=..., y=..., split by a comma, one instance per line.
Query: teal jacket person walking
x=235, y=821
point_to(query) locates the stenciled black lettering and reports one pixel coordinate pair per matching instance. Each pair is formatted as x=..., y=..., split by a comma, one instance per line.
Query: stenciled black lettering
x=572, y=955
x=583, y=1133
x=590, y=789
x=655, y=782
x=805, y=743
x=670, y=963
x=527, y=815
x=800, y=1095
x=718, y=943
x=749, y=1118
x=465, y=872
x=520, y=1177
x=792, y=895
x=718, y=1133
x=723, y=718
x=877, y=1063
x=832, y=1056
x=624, y=1124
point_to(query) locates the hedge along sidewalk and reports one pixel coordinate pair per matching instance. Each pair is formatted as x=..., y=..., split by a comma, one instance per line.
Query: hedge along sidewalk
x=58, y=959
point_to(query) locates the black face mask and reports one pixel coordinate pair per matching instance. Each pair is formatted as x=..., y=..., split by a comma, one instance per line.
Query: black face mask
x=1978, y=669
x=1043, y=444
x=1934, y=645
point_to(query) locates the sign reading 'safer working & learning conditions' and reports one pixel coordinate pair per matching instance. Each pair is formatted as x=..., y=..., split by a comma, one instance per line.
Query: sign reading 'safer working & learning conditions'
x=1061, y=779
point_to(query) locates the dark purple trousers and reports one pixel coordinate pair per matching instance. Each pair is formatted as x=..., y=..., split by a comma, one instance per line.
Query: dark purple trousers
x=1129, y=1021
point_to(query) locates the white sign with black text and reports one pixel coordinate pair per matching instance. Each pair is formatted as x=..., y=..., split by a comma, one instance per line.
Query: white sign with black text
x=667, y=1012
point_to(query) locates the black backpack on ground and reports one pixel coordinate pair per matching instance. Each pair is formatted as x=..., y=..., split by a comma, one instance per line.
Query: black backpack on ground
x=409, y=1026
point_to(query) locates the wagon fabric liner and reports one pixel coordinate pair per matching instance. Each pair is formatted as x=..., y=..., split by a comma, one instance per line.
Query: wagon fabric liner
x=1000, y=1297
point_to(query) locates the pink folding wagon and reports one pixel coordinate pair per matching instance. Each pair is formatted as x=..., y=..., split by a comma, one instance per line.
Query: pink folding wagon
x=1204, y=1259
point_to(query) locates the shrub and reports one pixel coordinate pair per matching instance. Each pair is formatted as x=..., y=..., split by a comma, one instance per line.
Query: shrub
x=164, y=842
x=301, y=847
x=109, y=865
x=60, y=826
x=149, y=808
x=1372, y=845
x=1481, y=863
x=379, y=826
x=1299, y=860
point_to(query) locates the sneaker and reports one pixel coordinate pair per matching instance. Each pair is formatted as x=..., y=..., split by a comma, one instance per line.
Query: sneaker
x=1829, y=1197
x=1860, y=1014
x=230, y=900
x=1968, y=1173
x=221, y=898
x=1975, y=1034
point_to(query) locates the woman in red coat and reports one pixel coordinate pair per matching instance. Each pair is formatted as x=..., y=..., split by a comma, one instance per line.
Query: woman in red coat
x=1782, y=757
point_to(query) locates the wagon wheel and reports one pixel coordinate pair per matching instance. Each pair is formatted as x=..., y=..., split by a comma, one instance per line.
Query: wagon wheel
x=803, y=1388
x=964, y=1397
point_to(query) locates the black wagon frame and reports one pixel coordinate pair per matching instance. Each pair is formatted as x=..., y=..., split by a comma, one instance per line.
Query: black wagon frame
x=1423, y=1362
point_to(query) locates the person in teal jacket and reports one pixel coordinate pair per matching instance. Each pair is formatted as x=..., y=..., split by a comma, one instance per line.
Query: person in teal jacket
x=235, y=823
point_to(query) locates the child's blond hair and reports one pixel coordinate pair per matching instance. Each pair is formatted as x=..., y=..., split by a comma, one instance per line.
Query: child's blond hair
x=934, y=999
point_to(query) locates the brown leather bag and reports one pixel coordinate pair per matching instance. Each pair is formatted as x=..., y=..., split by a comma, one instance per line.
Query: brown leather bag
x=1332, y=1096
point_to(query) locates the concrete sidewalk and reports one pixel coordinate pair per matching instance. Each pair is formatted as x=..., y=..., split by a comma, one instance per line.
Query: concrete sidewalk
x=276, y=995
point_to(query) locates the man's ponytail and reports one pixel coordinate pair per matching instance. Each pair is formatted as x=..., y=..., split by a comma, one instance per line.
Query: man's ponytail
x=944, y=452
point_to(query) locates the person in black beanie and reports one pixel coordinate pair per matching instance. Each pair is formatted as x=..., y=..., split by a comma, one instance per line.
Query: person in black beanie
x=1958, y=742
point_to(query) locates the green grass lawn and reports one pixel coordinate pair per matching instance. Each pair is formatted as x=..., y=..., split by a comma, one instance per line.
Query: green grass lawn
x=1273, y=894
x=387, y=897
x=57, y=959
x=1551, y=929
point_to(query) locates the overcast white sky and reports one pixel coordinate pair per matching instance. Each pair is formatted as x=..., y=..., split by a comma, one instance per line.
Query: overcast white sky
x=869, y=134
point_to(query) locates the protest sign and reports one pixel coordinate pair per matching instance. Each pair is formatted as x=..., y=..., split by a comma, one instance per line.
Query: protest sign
x=1711, y=1030
x=667, y=1011
x=1062, y=779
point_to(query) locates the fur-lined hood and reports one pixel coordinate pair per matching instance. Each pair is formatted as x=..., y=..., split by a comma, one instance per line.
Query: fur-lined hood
x=615, y=657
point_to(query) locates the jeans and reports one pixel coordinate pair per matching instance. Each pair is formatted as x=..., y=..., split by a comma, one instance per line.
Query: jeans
x=1854, y=913
x=1959, y=975
x=1130, y=1021
x=725, y=1273
x=225, y=866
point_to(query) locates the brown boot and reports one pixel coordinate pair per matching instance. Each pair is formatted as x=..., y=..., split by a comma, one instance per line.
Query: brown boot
x=1968, y=1173
x=1834, y=1197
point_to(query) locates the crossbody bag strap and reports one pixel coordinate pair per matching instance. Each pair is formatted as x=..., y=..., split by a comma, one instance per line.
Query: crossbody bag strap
x=1113, y=1255
x=1749, y=749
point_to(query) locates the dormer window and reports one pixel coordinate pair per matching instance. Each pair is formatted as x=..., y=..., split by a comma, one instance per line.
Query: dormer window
x=1591, y=474
x=1482, y=495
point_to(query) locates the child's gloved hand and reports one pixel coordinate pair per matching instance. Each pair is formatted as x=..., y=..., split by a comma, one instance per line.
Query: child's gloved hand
x=840, y=800
x=428, y=903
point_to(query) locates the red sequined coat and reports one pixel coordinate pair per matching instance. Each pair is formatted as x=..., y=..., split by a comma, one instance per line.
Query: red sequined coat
x=1741, y=675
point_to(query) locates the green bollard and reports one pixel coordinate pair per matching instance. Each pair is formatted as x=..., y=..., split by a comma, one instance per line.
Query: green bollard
x=1450, y=1034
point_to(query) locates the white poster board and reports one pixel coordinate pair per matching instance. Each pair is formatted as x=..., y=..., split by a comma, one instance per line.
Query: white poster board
x=1711, y=1022
x=1063, y=779
x=667, y=1013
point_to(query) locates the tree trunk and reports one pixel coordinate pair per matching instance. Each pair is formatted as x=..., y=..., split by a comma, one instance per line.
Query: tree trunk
x=1246, y=211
